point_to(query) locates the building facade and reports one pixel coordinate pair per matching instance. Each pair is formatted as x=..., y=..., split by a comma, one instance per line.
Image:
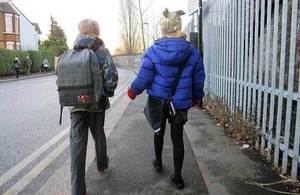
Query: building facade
x=29, y=32
x=16, y=30
x=9, y=27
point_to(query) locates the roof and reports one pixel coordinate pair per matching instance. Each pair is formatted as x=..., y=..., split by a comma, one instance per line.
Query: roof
x=20, y=11
x=7, y=8
x=36, y=25
x=37, y=28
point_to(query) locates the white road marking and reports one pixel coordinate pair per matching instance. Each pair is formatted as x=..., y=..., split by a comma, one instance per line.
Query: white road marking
x=115, y=115
x=22, y=183
x=16, y=169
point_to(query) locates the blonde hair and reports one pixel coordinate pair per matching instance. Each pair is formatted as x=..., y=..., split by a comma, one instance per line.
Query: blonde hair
x=89, y=27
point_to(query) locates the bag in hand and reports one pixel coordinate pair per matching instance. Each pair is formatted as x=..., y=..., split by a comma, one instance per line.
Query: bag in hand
x=154, y=111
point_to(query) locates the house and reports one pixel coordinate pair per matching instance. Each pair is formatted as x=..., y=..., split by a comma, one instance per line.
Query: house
x=16, y=30
x=9, y=26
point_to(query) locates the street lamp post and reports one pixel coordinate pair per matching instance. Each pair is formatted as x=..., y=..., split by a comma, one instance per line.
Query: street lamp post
x=146, y=23
x=200, y=38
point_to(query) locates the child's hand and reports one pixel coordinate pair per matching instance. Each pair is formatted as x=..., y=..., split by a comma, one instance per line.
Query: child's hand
x=131, y=94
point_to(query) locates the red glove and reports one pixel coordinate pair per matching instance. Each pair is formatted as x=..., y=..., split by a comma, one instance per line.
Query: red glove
x=195, y=102
x=131, y=94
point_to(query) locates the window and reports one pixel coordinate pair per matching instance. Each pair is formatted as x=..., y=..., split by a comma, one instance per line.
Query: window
x=8, y=23
x=18, y=46
x=17, y=30
x=10, y=45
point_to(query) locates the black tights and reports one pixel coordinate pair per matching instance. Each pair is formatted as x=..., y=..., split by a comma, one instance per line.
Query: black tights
x=178, y=145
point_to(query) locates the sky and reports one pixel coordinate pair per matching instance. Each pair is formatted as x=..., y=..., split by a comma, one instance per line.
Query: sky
x=68, y=13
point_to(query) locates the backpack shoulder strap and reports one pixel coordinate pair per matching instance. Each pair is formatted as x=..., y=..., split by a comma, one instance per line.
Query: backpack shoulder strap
x=61, y=112
x=101, y=54
x=96, y=71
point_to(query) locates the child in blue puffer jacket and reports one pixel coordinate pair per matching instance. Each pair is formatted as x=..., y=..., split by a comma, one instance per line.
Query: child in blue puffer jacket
x=158, y=73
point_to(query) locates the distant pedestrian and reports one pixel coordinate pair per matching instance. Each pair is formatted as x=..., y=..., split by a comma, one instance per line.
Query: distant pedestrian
x=89, y=50
x=173, y=74
x=45, y=66
x=16, y=66
x=28, y=64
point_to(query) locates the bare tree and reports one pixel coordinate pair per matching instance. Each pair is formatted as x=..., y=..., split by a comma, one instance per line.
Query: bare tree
x=129, y=27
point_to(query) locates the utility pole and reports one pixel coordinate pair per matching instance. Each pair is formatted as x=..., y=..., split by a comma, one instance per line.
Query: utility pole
x=200, y=40
x=200, y=34
x=147, y=24
x=142, y=25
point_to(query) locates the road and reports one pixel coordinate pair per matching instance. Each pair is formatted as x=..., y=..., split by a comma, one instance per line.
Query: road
x=29, y=125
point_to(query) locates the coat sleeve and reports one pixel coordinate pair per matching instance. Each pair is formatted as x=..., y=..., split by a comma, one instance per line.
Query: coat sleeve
x=145, y=75
x=109, y=74
x=198, y=77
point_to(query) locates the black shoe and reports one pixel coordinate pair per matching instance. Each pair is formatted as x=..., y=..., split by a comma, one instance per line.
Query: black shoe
x=157, y=166
x=178, y=182
x=105, y=167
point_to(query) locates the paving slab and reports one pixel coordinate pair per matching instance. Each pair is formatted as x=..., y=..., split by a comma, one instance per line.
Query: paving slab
x=130, y=149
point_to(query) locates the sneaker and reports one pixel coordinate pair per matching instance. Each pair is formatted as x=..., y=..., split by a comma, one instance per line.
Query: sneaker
x=157, y=166
x=178, y=183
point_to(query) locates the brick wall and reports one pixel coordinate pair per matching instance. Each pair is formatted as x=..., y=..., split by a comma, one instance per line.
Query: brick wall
x=5, y=37
x=11, y=37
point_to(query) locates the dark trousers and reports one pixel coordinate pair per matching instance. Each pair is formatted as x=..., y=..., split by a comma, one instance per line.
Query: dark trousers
x=80, y=122
x=17, y=72
x=177, y=124
x=45, y=70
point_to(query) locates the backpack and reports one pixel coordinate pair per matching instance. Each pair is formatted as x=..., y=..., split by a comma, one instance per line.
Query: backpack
x=79, y=80
x=16, y=66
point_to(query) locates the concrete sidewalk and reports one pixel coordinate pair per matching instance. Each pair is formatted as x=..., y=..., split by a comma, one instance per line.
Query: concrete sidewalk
x=5, y=79
x=213, y=162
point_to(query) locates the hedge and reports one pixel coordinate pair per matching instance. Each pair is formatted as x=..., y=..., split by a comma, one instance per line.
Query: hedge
x=7, y=57
x=6, y=61
x=36, y=58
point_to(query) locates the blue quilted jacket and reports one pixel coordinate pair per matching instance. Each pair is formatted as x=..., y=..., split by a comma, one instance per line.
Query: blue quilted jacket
x=159, y=68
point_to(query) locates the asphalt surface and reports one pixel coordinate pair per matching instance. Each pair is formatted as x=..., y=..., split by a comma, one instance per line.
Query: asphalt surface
x=29, y=119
